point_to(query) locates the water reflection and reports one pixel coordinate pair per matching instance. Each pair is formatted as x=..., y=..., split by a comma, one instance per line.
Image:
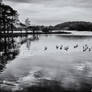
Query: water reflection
x=8, y=50
x=49, y=63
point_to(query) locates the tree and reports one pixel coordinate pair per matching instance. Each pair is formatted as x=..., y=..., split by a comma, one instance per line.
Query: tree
x=8, y=17
x=27, y=23
x=45, y=30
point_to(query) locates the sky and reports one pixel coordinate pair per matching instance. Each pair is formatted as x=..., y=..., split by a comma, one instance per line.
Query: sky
x=52, y=12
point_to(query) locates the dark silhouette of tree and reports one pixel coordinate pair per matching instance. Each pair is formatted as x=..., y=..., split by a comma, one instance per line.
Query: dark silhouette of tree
x=8, y=16
x=45, y=30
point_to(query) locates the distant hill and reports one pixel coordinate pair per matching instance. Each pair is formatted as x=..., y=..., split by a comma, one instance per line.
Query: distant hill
x=74, y=25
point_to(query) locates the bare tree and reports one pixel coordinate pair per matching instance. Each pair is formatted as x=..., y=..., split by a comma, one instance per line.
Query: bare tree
x=27, y=23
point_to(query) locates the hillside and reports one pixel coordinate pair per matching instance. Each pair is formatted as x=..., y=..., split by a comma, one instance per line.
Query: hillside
x=74, y=25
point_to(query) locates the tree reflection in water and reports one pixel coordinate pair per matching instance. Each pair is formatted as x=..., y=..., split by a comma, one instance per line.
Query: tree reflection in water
x=8, y=50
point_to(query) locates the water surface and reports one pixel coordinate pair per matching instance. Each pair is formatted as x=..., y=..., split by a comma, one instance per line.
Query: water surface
x=41, y=57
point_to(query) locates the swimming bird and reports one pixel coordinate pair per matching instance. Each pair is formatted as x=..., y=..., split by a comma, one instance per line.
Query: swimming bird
x=66, y=48
x=45, y=48
x=76, y=46
x=61, y=47
x=85, y=48
x=57, y=46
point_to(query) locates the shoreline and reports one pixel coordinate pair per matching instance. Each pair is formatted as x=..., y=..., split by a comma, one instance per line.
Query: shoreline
x=66, y=34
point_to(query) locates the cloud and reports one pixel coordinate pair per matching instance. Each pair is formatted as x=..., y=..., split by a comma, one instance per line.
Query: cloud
x=53, y=11
x=39, y=14
x=21, y=1
x=60, y=3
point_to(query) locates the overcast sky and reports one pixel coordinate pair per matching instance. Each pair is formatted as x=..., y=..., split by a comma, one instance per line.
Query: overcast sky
x=51, y=12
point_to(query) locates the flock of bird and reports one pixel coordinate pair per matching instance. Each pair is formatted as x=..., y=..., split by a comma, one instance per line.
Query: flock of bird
x=66, y=48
